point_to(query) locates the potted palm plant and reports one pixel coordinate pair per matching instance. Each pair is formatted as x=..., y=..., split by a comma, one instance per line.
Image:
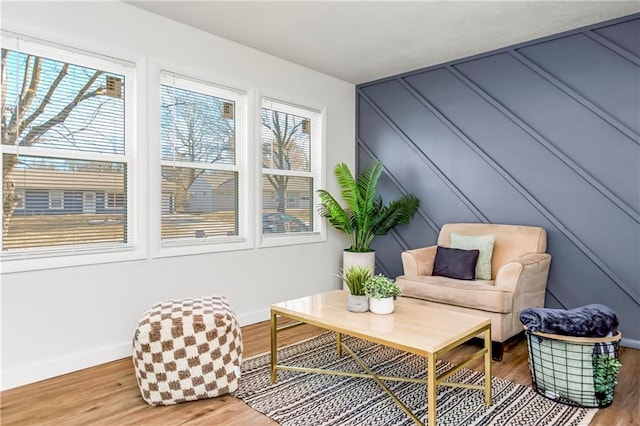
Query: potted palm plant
x=364, y=215
x=382, y=292
x=355, y=277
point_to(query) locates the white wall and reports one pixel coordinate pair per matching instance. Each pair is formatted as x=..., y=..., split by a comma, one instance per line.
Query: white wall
x=59, y=320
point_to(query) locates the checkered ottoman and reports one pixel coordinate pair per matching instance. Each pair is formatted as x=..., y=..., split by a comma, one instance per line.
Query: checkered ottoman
x=187, y=349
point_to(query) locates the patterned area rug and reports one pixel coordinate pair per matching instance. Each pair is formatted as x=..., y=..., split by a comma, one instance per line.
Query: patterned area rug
x=315, y=399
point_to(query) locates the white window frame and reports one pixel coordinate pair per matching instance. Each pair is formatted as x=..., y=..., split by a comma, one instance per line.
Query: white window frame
x=56, y=199
x=244, y=240
x=62, y=256
x=317, y=117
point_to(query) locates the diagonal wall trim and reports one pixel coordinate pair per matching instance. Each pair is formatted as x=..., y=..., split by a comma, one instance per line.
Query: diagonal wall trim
x=555, y=301
x=494, y=165
x=613, y=47
x=548, y=145
x=424, y=158
x=400, y=188
x=530, y=198
x=421, y=212
x=576, y=96
x=383, y=269
x=396, y=236
x=584, y=175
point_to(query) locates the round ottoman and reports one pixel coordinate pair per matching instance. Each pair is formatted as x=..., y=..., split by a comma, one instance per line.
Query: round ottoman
x=187, y=349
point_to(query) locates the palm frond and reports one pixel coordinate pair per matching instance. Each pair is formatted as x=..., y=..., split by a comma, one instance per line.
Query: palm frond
x=368, y=182
x=398, y=212
x=334, y=213
x=348, y=186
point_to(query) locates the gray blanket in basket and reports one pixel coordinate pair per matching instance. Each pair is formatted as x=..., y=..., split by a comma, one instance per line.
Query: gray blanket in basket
x=587, y=321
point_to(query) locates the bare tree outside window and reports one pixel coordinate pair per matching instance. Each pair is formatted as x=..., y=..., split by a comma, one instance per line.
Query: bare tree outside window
x=61, y=107
x=195, y=129
x=200, y=126
x=284, y=147
x=289, y=144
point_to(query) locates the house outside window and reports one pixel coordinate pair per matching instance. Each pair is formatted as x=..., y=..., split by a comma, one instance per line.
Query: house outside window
x=203, y=144
x=68, y=137
x=290, y=144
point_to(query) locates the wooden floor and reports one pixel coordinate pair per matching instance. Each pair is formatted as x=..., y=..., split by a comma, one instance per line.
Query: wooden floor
x=108, y=394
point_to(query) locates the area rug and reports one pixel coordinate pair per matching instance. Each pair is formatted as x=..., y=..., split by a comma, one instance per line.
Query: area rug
x=315, y=399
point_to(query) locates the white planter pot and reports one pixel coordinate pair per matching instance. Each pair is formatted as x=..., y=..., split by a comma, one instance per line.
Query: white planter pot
x=350, y=258
x=381, y=306
x=357, y=303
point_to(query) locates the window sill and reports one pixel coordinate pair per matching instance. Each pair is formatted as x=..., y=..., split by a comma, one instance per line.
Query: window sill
x=16, y=263
x=185, y=248
x=292, y=239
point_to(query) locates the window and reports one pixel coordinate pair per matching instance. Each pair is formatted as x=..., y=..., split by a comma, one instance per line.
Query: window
x=290, y=142
x=20, y=200
x=67, y=122
x=115, y=201
x=202, y=161
x=56, y=200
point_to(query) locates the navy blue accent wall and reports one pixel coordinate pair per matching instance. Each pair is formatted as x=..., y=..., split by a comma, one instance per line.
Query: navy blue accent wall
x=544, y=133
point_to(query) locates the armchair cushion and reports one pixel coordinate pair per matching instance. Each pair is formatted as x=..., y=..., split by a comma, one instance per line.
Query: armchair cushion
x=484, y=243
x=455, y=263
x=478, y=294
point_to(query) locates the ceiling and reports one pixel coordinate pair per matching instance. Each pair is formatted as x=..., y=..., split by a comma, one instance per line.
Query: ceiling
x=362, y=41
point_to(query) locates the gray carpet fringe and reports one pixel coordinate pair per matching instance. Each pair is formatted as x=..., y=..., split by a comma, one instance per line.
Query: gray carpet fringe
x=304, y=399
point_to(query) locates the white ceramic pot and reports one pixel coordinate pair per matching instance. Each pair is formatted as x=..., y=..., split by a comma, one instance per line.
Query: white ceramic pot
x=381, y=306
x=350, y=258
x=357, y=303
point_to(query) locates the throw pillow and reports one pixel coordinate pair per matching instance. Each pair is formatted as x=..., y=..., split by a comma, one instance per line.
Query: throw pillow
x=484, y=243
x=455, y=263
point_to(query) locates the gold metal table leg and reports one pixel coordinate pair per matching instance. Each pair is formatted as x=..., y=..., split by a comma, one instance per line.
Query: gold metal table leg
x=274, y=344
x=339, y=344
x=487, y=367
x=431, y=389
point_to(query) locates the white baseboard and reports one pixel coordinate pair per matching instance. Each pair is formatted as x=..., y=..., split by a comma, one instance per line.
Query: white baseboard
x=253, y=317
x=51, y=368
x=630, y=343
x=56, y=367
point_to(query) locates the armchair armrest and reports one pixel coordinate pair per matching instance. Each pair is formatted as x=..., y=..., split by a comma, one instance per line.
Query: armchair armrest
x=419, y=261
x=527, y=274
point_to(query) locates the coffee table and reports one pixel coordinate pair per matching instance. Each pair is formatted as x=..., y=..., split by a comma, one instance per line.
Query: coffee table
x=413, y=327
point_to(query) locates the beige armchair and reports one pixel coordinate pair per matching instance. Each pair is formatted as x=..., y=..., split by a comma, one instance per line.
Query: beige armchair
x=519, y=270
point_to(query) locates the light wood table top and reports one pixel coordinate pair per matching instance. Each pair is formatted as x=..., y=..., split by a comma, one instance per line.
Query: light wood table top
x=413, y=326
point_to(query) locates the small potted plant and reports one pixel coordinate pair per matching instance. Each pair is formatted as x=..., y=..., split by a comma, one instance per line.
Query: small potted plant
x=382, y=292
x=355, y=277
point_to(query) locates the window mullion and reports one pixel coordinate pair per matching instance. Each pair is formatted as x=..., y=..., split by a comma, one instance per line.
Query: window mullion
x=206, y=166
x=64, y=154
x=287, y=173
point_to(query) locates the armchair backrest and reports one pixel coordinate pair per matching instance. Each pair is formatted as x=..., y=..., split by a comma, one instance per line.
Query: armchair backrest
x=512, y=241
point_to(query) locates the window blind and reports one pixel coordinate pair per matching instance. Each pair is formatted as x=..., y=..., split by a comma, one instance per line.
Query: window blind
x=289, y=167
x=201, y=163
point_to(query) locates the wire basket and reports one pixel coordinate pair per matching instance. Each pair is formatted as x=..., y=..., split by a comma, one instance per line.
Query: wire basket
x=579, y=371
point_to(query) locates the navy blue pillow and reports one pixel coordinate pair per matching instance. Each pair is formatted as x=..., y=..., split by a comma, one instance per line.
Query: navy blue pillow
x=455, y=263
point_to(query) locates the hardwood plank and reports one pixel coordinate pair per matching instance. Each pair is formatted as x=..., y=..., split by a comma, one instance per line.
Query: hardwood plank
x=108, y=394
